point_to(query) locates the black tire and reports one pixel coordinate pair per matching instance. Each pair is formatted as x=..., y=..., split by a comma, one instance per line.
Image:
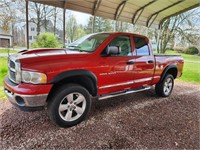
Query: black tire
x=65, y=98
x=161, y=88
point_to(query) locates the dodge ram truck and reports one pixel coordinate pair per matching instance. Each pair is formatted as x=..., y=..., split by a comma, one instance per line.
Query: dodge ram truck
x=100, y=66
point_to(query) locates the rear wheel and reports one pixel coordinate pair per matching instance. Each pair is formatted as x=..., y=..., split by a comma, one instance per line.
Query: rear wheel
x=165, y=87
x=69, y=105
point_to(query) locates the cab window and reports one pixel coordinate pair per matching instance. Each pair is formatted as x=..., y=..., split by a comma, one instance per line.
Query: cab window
x=123, y=42
x=141, y=46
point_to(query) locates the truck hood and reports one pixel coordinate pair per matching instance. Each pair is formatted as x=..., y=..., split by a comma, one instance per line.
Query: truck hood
x=46, y=52
x=35, y=55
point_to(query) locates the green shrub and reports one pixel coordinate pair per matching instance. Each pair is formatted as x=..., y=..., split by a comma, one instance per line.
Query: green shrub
x=191, y=50
x=179, y=49
x=46, y=40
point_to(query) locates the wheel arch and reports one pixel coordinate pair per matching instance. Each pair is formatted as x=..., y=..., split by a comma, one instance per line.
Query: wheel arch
x=171, y=69
x=85, y=78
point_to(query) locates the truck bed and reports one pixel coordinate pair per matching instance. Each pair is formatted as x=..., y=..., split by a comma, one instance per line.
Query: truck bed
x=164, y=60
x=162, y=55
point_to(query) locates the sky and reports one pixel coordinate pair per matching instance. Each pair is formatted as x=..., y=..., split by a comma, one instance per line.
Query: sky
x=81, y=18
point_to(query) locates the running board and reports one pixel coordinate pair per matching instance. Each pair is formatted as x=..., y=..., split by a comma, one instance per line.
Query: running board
x=124, y=93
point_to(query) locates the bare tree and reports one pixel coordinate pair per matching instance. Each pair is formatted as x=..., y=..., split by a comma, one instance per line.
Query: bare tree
x=181, y=25
x=10, y=14
x=7, y=16
x=100, y=25
x=39, y=14
x=55, y=13
x=71, y=27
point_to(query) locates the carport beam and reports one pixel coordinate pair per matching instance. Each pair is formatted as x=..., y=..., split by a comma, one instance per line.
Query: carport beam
x=148, y=24
x=141, y=9
x=184, y=10
x=64, y=24
x=119, y=9
x=27, y=26
x=95, y=9
x=64, y=10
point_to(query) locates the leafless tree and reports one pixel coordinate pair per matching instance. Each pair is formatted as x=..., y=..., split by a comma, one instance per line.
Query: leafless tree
x=39, y=14
x=7, y=16
x=55, y=18
x=71, y=27
x=181, y=25
x=10, y=15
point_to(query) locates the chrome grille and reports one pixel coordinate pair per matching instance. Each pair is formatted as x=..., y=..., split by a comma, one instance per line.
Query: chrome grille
x=12, y=76
x=12, y=71
x=12, y=64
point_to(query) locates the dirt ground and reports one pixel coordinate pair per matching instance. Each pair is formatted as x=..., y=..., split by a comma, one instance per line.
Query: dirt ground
x=137, y=121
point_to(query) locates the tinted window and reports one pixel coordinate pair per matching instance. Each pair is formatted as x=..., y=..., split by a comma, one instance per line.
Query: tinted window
x=124, y=44
x=141, y=46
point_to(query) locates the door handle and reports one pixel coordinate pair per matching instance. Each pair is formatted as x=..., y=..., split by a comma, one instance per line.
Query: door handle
x=150, y=62
x=130, y=62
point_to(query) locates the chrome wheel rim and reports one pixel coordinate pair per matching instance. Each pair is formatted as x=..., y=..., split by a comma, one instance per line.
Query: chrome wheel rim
x=168, y=86
x=72, y=106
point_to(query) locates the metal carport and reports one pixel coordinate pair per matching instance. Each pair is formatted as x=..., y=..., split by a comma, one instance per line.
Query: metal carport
x=149, y=13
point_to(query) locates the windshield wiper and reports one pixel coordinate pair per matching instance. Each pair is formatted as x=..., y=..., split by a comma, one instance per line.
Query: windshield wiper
x=80, y=50
x=77, y=50
x=74, y=46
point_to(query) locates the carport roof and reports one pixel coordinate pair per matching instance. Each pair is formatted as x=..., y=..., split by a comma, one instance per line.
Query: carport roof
x=150, y=13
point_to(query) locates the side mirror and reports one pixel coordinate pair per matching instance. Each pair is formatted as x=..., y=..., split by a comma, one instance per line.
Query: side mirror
x=113, y=50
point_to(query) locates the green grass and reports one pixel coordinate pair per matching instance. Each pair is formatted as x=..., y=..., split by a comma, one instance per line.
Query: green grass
x=191, y=68
x=3, y=73
x=3, y=68
x=187, y=57
x=4, y=51
x=191, y=72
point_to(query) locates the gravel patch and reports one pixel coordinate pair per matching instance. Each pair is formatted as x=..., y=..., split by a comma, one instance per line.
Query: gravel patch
x=136, y=121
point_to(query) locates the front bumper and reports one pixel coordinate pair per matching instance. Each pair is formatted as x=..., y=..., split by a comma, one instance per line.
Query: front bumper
x=26, y=95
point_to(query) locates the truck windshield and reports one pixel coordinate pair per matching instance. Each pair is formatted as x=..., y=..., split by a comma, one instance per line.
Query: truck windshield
x=88, y=43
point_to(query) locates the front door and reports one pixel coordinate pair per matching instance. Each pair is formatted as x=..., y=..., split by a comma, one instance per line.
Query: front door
x=117, y=70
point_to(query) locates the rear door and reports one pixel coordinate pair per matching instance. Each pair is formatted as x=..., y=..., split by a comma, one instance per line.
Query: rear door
x=144, y=62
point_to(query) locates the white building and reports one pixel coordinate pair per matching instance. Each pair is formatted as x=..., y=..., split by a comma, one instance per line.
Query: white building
x=5, y=38
x=32, y=32
x=33, y=29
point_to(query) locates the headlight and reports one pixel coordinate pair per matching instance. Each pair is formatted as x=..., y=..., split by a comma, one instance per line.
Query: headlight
x=33, y=77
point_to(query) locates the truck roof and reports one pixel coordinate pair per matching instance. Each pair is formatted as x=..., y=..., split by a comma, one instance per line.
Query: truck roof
x=128, y=33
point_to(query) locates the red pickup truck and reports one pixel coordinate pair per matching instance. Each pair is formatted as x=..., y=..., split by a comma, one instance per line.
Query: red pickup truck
x=101, y=65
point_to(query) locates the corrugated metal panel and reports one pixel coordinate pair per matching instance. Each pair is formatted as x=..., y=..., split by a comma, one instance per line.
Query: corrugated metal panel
x=152, y=12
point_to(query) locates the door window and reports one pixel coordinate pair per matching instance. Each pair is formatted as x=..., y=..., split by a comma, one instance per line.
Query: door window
x=123, y=42
x=141, y=46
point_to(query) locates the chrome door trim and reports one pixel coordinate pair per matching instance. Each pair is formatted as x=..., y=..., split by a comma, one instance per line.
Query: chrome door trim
x=126, y=83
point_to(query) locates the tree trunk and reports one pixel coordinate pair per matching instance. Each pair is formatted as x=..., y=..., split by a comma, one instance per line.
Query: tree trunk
x=45, y=19
x=55, y=21
x=38, y=19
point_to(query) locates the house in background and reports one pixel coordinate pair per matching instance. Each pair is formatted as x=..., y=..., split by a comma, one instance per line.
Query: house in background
x=33, y=29
x=5, y=38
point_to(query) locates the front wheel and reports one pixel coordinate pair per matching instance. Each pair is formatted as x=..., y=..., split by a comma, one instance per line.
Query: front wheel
x=164, y=88
x=69, y=105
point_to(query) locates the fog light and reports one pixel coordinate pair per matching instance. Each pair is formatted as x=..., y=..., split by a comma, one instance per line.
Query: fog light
x=20, y=101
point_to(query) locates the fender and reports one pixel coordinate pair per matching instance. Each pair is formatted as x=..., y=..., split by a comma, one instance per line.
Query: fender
x=173, y=66
x=73, y=73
